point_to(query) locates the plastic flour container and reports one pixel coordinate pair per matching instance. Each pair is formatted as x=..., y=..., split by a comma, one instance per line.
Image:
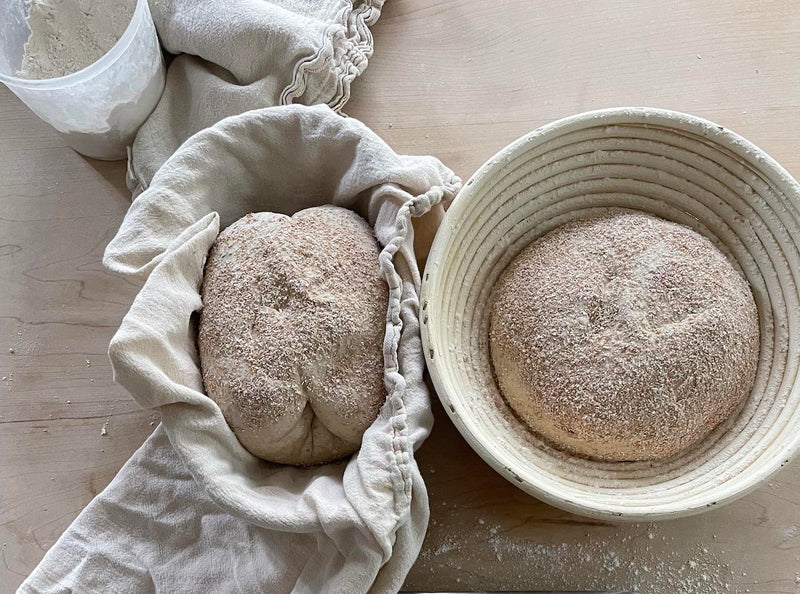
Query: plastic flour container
x=97, y=109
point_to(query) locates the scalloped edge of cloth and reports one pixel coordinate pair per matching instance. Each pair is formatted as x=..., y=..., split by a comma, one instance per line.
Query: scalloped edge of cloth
x=343, y=56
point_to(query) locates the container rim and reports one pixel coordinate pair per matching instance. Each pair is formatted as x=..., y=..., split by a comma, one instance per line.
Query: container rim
x=141, y=11
x=460, y=416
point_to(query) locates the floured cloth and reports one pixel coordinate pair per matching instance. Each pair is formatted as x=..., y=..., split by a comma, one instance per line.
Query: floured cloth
x=197, y=512
x=239, y=55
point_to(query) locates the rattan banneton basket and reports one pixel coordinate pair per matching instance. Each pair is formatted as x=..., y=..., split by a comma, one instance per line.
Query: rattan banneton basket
x=675, y=166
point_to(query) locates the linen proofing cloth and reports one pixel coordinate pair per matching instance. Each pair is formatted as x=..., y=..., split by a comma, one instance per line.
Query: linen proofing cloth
x=238, y=55
x=203, y=514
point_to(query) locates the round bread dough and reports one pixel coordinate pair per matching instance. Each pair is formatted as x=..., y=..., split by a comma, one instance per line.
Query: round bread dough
x=623, y=337
x=291, y=333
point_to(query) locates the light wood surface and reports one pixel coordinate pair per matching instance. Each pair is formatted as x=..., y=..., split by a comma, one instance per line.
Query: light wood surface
x=457, y=79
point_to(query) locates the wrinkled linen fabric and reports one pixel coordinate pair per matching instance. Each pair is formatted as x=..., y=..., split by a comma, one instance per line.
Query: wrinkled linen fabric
x=193, y=510
x=238, y=55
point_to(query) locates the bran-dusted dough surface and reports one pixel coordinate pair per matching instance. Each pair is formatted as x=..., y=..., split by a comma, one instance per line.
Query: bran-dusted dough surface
x=291, y=332
x=623, y=337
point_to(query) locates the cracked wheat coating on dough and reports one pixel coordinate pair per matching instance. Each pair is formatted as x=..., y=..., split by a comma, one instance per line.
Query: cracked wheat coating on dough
x=624, y=337
x=291, y=333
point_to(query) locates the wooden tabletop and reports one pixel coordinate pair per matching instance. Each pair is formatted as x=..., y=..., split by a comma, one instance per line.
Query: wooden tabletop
x=458, y=79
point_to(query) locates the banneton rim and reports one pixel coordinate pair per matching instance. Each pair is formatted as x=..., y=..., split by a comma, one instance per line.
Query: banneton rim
x=672, y=165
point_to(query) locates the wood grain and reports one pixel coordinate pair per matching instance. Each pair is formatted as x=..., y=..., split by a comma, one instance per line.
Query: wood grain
x=58, y=311
x=458, y=79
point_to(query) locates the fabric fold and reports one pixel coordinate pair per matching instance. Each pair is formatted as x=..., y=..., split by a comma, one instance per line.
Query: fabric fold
x=233, y=57
x=366, y=516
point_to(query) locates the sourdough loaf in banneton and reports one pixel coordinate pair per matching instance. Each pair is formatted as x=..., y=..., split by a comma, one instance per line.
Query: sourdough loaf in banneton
x=623, y=337
x=291, y=333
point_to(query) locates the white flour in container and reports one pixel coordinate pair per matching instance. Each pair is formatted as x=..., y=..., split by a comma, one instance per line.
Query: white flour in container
x=69, y=35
